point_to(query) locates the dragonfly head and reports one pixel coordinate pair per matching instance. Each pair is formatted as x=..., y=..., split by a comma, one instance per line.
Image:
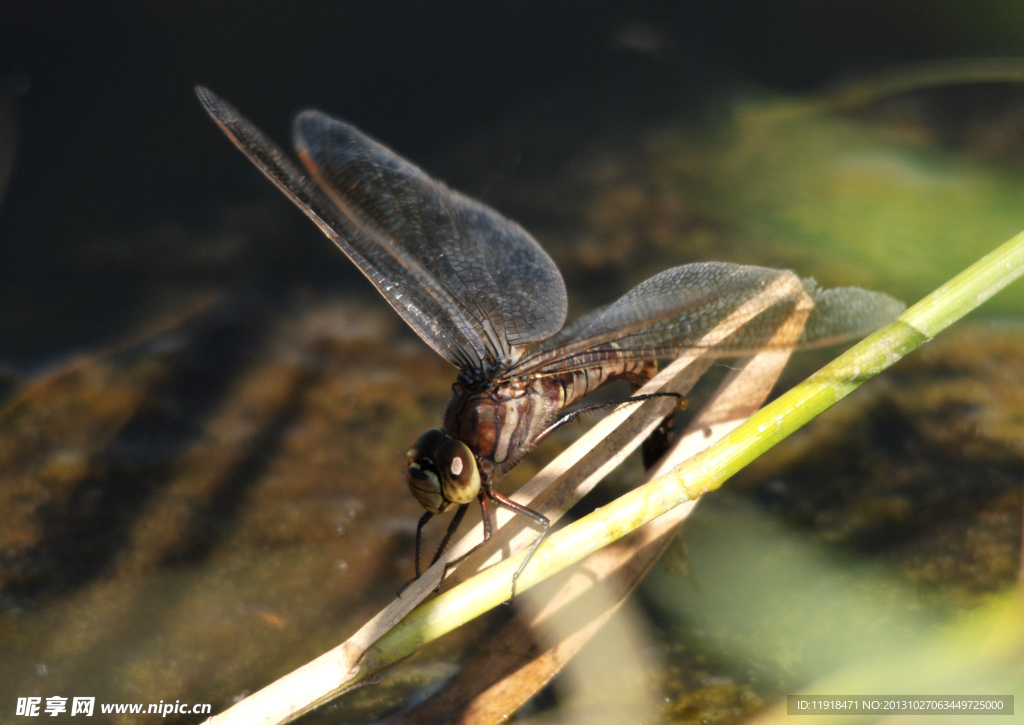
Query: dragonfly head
x=441, y=471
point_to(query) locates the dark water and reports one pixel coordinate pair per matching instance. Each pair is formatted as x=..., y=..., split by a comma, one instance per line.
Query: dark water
x=205, y=407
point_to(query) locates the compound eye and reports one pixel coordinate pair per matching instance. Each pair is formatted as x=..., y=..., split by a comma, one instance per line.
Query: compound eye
x=456, y=465
x=426, y=444
x=421, y=471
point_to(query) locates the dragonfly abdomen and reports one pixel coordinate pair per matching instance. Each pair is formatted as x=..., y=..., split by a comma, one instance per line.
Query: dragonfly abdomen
x=576, y=385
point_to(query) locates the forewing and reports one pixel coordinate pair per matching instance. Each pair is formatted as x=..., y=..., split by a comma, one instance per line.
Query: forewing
x=676, y=310
x=451, y=254
x=471, y=283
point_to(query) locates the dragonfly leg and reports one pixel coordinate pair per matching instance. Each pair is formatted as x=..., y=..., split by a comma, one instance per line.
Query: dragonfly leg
x=456, y=520
x=452, y=528
x=572, y=415
x=657, y=443
x=485, y=514
x=541, y=519
x=427, y=515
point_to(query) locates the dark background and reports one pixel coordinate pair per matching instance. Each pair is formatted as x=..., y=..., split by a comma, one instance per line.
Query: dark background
x=116, y=162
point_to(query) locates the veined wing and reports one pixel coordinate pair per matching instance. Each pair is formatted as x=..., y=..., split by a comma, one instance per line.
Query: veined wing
x=471, y=283
x=676, y=310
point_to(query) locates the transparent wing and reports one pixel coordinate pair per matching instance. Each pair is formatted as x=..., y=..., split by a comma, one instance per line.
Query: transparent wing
x=471, y=283
x=676, y=310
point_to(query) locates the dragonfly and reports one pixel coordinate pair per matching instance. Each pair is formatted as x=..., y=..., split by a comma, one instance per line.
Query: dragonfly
x=480, y=291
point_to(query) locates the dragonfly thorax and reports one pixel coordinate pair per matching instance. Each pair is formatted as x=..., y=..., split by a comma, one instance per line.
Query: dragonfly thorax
x=496, y=421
